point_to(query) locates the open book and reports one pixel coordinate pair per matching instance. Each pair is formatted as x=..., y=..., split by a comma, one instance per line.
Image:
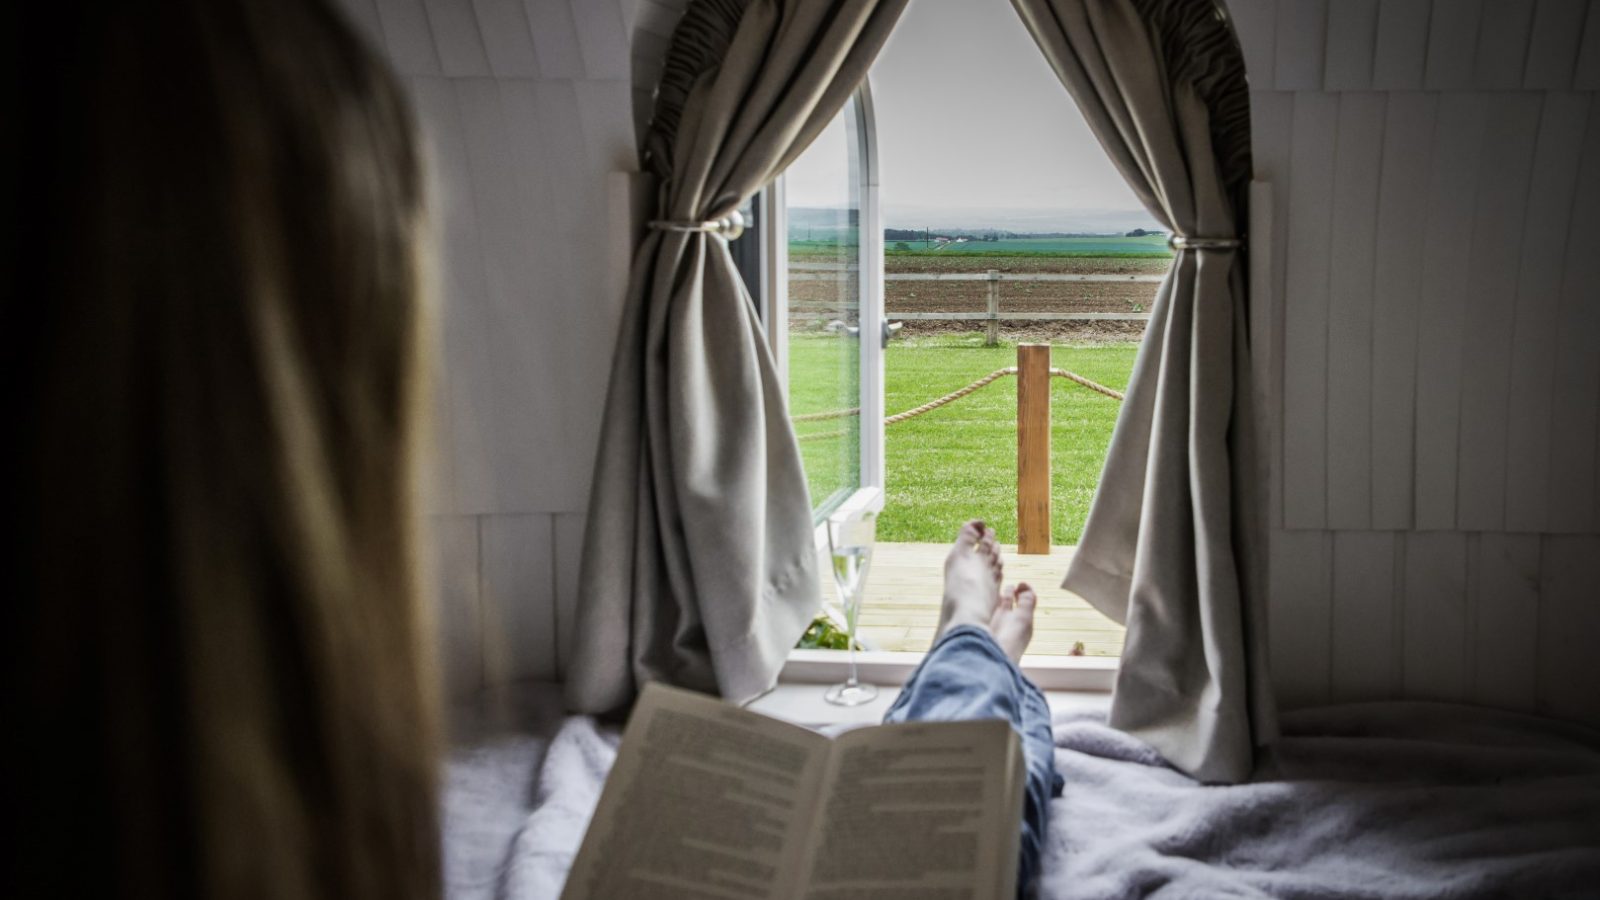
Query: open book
x=709, y=800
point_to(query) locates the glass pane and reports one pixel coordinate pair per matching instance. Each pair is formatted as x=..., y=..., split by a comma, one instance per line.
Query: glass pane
x=823, y=193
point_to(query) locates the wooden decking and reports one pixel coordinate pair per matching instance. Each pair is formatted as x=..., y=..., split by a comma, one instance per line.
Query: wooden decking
x=905, y=583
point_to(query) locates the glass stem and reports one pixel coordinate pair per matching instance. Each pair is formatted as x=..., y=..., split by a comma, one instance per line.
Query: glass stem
x=851, y=613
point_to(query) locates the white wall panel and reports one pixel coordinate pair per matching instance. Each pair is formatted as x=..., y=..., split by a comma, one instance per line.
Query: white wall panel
x=1553, y=44
x=1575, y=405
x=1586, y=75
x=457, y=38
x=1364, y=638
x=1356, y=172
x=555, y=38
x=507, y=38
x=1452, y=44
x=1301, y=34
x=1299, y=625
x=1529, y=424
x=409, y=37
x=1255, y=21
x=1502, y=44
x=1503, y=594
x=1446, y=262
x=454, y=564
x=1305, y=307
x=1513, y=126
x=1397, y=297
x=1569, y=619
x=364, y=15
x=602, y=39
x=1436, y=663
x=1402, y=45
x=1352, y=40
x=517, y=591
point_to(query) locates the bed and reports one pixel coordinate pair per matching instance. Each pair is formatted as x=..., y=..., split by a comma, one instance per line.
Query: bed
x=1392, y=800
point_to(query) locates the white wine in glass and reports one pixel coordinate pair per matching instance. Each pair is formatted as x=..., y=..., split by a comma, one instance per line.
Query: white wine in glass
x=850, y=543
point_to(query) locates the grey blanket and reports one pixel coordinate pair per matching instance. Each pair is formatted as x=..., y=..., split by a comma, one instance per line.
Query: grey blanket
x=1387, y=800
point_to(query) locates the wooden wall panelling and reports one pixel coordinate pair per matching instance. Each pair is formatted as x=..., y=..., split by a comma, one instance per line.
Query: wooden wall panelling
x=568, y=545
x=520, y=350
x=466, y=379
x=1574, y=503
x=1553, y=44
x=517, y=588
x=1352, y=38
x=1397, y=290
x=1501, y=209
x=1364, y=648
x=1301, y=29
x=409, y=37
x=1402, y=45
x=1436, y=664
x=1255, y=23
x=1586, y=74
x=1502, y=45
x=458, y=38
x=454, y=563
x=1503, y=594
x=1358, y=159
x=1271, y=126
x=1446, y=265
x=1299, y=619
x=1305, y=306
x=1569, y=620
x=555, y=38
x=1452, y=44
x=602, y=39
x=507, y=38
x=581, y=303
x=1544, y=254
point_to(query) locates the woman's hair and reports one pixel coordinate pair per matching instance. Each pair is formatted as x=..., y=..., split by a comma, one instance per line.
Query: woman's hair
x=222, y=677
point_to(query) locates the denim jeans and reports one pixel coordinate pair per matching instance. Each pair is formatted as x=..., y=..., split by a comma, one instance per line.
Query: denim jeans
x=967, y=676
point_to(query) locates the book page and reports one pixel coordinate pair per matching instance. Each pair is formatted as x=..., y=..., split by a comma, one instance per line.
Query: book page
x=925, y=810
x=705, y=800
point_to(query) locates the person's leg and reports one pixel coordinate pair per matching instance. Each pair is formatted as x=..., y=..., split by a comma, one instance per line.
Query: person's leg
x=971, y=673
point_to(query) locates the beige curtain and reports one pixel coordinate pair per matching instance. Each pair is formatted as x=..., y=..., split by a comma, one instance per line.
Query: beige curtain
x=698, y=566
x=1172, y=546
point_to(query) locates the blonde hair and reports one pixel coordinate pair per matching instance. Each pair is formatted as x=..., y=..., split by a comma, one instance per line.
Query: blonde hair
x=223, y=670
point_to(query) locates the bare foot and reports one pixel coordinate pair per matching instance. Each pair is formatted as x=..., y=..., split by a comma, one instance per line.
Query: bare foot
x=1012, y=622
x=972, y=575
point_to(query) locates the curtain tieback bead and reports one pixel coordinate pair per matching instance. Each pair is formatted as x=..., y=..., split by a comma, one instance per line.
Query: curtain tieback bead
x=1180, y=242
x=729, y=227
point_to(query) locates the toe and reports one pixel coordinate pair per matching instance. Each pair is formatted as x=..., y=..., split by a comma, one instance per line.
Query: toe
x=971, y=533
x=1026, y=598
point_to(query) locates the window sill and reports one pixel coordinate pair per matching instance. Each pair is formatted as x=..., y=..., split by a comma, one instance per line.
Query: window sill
x=802, y=704
x=1095, y=674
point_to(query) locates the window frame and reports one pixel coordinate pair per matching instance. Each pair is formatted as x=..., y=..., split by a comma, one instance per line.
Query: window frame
x=889, y=668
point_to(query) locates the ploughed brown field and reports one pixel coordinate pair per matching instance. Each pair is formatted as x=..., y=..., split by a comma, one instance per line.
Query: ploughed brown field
x=818, y=296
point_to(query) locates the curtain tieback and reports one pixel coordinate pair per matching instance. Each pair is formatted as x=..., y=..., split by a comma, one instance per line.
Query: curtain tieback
x=729, y=227
x=1180, y=242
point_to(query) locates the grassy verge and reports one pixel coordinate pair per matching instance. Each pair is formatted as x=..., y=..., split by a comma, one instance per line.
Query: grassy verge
x=959, y=461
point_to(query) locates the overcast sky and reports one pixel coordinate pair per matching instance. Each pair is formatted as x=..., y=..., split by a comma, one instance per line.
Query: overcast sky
x=974, y=130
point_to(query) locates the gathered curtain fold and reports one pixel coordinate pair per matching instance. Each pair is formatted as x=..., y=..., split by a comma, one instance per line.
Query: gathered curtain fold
x=698, y=565
x=1173, y=543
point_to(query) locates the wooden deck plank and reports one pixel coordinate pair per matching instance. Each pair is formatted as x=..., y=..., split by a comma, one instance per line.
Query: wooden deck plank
x=905, y=583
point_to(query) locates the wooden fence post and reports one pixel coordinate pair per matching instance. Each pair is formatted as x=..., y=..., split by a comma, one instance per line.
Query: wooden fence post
x=994, y=308
x=1033, y=448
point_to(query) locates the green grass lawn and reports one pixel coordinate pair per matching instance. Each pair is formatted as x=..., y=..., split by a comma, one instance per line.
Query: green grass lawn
x=960, y=461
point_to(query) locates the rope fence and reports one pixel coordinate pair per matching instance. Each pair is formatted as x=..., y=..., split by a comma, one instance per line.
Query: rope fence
x=947, y=399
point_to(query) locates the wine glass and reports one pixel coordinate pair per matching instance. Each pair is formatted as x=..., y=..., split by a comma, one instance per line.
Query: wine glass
x=850, y=542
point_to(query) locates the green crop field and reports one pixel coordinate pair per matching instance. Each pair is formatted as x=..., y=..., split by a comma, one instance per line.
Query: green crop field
x=1111, y=247
x=959, y=461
